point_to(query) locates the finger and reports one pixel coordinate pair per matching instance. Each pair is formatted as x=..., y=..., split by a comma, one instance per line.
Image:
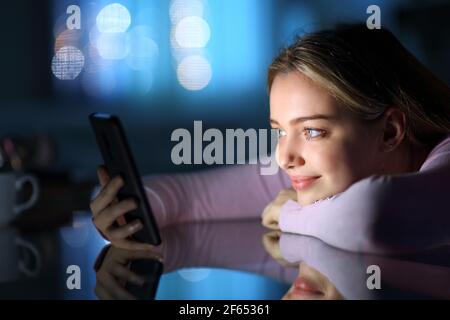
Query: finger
x=268, y=221
x=141, y=251
x=129, y=276
x=123, y=232
x=133, y=245
x=107, y=195
x=271, y=240
x=268, y=210
x=266, y=241
x=272, y=246
x=102, y=293
x=105, y=219
x=103, y=175
x=273, y=226
x=117, y=292
x=150, y=252
x=275, y=235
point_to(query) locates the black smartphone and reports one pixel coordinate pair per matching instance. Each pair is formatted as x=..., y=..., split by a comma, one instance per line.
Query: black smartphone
x=151, y=270
x=118, y=160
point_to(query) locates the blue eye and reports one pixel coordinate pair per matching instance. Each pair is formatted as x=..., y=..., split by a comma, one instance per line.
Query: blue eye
x=281, y=133
x=313, y=133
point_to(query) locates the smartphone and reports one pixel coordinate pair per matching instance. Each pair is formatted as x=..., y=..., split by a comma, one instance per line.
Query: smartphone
x=118, y=160
x=151, y=270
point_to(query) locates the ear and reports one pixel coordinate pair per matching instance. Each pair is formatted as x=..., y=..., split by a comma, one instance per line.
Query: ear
x=393, y=129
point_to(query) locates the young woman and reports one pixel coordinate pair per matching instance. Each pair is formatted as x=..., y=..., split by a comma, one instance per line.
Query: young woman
x=364, y=148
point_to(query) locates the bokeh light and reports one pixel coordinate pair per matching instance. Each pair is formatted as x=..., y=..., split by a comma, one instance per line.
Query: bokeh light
x=112, y=46
x=94, y=62
x=194, y=72
x=113, y=18
x=67, y=63
x=192, y=32
x=194, y=274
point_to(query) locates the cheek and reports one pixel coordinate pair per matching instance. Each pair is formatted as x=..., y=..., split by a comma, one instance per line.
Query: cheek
x=327, y=159
x=338, y=164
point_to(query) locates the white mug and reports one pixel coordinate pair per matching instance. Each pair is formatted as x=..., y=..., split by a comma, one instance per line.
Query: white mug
x=19, y=257
x=10, y=183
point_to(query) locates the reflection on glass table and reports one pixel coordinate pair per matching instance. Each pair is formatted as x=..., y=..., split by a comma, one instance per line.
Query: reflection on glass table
x=210, y=260
x=225, y=260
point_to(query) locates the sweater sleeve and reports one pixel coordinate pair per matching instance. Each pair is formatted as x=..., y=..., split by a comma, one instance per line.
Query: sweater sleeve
x=232, y=192
x=382, y=214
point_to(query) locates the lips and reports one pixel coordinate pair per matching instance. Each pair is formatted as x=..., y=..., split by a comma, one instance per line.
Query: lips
x=302, y=182
x=304, y=287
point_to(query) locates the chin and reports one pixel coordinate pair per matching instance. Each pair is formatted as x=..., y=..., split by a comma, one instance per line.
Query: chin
x=304, y=200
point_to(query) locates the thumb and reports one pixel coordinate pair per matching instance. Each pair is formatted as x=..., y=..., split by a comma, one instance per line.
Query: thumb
x=103, y=175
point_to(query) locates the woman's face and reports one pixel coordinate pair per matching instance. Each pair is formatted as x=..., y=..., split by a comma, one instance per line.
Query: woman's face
x=322, y=146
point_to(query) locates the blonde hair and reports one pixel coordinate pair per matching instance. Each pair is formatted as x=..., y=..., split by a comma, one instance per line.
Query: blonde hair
x=368, y=71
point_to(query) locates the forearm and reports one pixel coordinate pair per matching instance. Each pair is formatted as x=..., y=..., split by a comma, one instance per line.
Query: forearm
x=232, y=192
x=343, y=221
x=380, y=214
x=414, y=213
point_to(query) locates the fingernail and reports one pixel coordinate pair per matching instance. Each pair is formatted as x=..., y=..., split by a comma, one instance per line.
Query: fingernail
x=136, y=225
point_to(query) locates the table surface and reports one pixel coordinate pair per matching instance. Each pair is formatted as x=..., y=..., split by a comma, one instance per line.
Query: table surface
x=208, y=260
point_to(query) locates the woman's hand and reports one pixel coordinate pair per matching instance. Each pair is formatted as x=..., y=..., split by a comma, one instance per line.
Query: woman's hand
x=114, y=273
x=106, y=209
x=271, y=213
x=271, y=242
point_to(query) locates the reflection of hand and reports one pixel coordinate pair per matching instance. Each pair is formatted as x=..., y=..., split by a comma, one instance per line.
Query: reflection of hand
x=106, y=210
x=271, y=242
x=114, y=273
x=271, y=213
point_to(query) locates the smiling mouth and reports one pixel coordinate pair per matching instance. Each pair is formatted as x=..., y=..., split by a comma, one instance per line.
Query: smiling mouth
x=305, y=288
x=300, y=184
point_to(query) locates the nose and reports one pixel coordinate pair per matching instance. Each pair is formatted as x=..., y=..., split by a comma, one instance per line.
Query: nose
x=289, y=154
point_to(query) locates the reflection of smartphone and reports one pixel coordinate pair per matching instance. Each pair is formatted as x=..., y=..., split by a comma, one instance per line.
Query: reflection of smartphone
x=151, y=270
x=119, y=161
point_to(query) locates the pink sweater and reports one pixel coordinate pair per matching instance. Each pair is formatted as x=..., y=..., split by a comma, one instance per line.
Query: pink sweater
x=379, y=214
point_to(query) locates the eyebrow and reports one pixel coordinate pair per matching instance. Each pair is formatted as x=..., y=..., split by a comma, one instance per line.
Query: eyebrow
x=303, y=119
